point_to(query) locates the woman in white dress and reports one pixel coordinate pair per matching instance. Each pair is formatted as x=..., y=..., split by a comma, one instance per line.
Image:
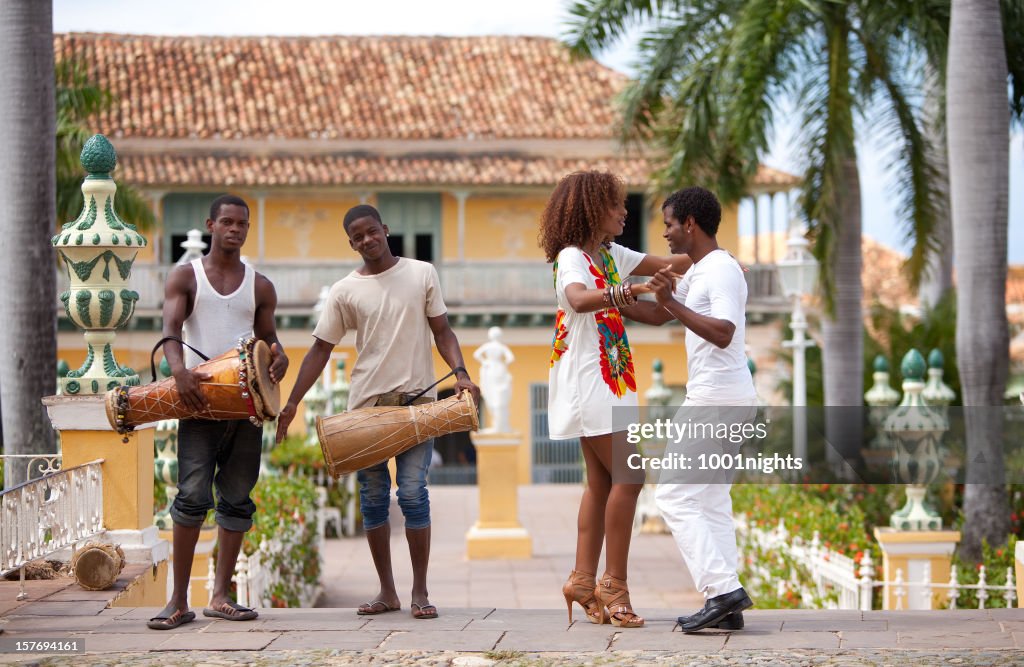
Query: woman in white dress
x=592, y=375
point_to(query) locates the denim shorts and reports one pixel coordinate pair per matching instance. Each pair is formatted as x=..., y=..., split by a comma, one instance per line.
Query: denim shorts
x=217, y=454
x=411, y=471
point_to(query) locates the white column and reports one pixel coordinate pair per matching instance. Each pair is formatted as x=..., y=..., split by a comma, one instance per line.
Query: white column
x=261, y=203
x=757, y=229
x=771, y=227
x=460, y=197
x=157, y=198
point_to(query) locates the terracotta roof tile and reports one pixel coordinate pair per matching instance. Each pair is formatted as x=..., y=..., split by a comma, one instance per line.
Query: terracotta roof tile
x=246, y=91
x=346, y=87
x=159, y=170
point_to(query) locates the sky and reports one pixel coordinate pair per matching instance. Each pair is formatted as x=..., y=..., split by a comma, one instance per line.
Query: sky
x=479, y=17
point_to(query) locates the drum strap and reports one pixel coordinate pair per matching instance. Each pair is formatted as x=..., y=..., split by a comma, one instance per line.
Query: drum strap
x=454, y=371
x=159, y=343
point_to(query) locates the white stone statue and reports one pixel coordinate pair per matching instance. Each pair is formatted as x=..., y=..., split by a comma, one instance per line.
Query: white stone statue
x=495, y=380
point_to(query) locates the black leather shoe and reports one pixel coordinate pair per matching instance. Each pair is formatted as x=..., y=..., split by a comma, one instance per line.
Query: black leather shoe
x=730, y=622
x=716, y=609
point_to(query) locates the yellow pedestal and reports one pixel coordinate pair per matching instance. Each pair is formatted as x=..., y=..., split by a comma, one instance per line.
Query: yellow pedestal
x=149, y=590
x=910, y=551
x=497, y=532
x=127, y=471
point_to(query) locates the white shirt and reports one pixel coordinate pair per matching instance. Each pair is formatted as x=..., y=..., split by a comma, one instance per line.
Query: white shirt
x=218, y=320
x=715, y=287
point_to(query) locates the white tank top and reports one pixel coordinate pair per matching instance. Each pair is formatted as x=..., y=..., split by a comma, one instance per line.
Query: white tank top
x=218, y=320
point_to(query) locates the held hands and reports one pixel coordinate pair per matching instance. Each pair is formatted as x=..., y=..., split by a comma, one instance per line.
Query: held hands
x=188, y=381
x=284, y=420
x=662, y=284
x=278, y=364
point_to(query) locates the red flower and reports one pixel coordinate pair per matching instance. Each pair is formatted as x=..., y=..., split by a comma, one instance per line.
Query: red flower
x=558, y=344
x=616, y=359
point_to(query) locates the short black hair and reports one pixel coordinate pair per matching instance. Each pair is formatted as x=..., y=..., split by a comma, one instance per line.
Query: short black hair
x=702, y=204
x=226, y=200
x=360, y=211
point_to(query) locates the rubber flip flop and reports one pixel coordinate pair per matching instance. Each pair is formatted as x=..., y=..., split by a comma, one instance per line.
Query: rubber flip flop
x=169, y=621
x=426, y=611
x=372, y=610
x=243, y=613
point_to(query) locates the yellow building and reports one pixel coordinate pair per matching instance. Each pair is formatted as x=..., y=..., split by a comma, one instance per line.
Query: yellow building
x=458, y=142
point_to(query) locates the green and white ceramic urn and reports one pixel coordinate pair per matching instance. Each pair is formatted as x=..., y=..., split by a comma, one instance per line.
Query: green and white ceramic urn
x=97, y=250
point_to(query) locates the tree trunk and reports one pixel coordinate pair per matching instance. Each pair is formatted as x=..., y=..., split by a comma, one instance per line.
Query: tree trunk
x=938, y=277
x=28, y=337
x=843, y=334
x=978, y=130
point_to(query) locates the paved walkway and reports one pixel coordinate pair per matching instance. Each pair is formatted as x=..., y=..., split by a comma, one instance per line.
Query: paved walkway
x=502, y=612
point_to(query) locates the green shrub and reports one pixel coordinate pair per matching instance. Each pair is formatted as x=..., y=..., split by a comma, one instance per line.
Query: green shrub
x=286, y=510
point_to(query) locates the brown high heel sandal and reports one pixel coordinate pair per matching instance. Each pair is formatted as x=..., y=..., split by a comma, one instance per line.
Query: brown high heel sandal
x=613, y=595
x=580, y=588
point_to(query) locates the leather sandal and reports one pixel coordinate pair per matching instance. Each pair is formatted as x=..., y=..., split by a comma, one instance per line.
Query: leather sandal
x=580, y=589
x=613, y=594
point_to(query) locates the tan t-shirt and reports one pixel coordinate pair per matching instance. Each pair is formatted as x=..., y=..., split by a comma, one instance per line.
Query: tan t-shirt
x=389, y=312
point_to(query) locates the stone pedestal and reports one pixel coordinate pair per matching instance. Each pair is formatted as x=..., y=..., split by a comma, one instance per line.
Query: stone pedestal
x=912, y=552
x=127, y=475
x=497, y=532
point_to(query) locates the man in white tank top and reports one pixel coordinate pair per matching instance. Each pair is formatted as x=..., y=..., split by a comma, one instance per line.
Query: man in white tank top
x=395, y=306
x=709, y=301
x=215, y=300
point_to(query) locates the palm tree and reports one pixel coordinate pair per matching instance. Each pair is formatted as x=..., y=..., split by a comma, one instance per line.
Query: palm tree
x=28, y=299
x=711, y=78
x=78, y=100
x=978, y=130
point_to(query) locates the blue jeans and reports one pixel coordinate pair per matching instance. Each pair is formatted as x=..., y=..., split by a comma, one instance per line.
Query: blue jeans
x=375, y=488
x=221, y=454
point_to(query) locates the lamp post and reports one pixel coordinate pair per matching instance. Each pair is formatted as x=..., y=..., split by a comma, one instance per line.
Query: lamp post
x=798, y=273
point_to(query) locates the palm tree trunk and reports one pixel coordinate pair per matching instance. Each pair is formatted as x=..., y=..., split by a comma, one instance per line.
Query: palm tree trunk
x=28, y=337
x=938, y=277
x=978, y=129
x=843, y=334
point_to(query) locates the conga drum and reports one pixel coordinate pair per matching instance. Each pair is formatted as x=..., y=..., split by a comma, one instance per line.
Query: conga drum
x=359, y=439
x=239, y=388
x=96, y=565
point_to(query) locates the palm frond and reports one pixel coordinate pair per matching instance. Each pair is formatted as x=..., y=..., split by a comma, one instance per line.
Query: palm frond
x=78, y=101
x=596, y=24
x=902, y=124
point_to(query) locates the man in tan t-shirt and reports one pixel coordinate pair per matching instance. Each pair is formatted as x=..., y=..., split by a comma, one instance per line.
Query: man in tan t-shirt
x=395, y=305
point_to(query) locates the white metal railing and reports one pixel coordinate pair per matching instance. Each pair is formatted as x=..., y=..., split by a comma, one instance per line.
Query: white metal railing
x=841, y=583
x=47, y=514
x=465, y=284
x=36, y=465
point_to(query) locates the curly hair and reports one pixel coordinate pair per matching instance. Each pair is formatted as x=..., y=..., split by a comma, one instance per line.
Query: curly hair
x=702, y=204
x=576, y=209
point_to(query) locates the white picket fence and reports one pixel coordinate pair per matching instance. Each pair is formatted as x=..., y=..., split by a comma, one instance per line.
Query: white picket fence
x=837, y=582
x=255, y=576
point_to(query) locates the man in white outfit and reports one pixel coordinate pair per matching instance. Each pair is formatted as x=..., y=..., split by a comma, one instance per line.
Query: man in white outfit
x=709, y=300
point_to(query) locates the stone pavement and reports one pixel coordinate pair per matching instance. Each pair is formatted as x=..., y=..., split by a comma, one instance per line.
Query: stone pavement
x=504, y=613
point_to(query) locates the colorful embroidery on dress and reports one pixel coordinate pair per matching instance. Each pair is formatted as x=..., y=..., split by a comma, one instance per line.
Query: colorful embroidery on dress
x=558, y=344
x=616, y=359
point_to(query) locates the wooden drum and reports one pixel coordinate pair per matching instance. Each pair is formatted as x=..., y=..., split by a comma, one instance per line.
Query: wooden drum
x=97, y=565
x=359, y=439
x=240, y=388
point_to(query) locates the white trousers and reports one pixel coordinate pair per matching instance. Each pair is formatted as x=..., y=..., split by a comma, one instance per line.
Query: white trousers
x=698, y=511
